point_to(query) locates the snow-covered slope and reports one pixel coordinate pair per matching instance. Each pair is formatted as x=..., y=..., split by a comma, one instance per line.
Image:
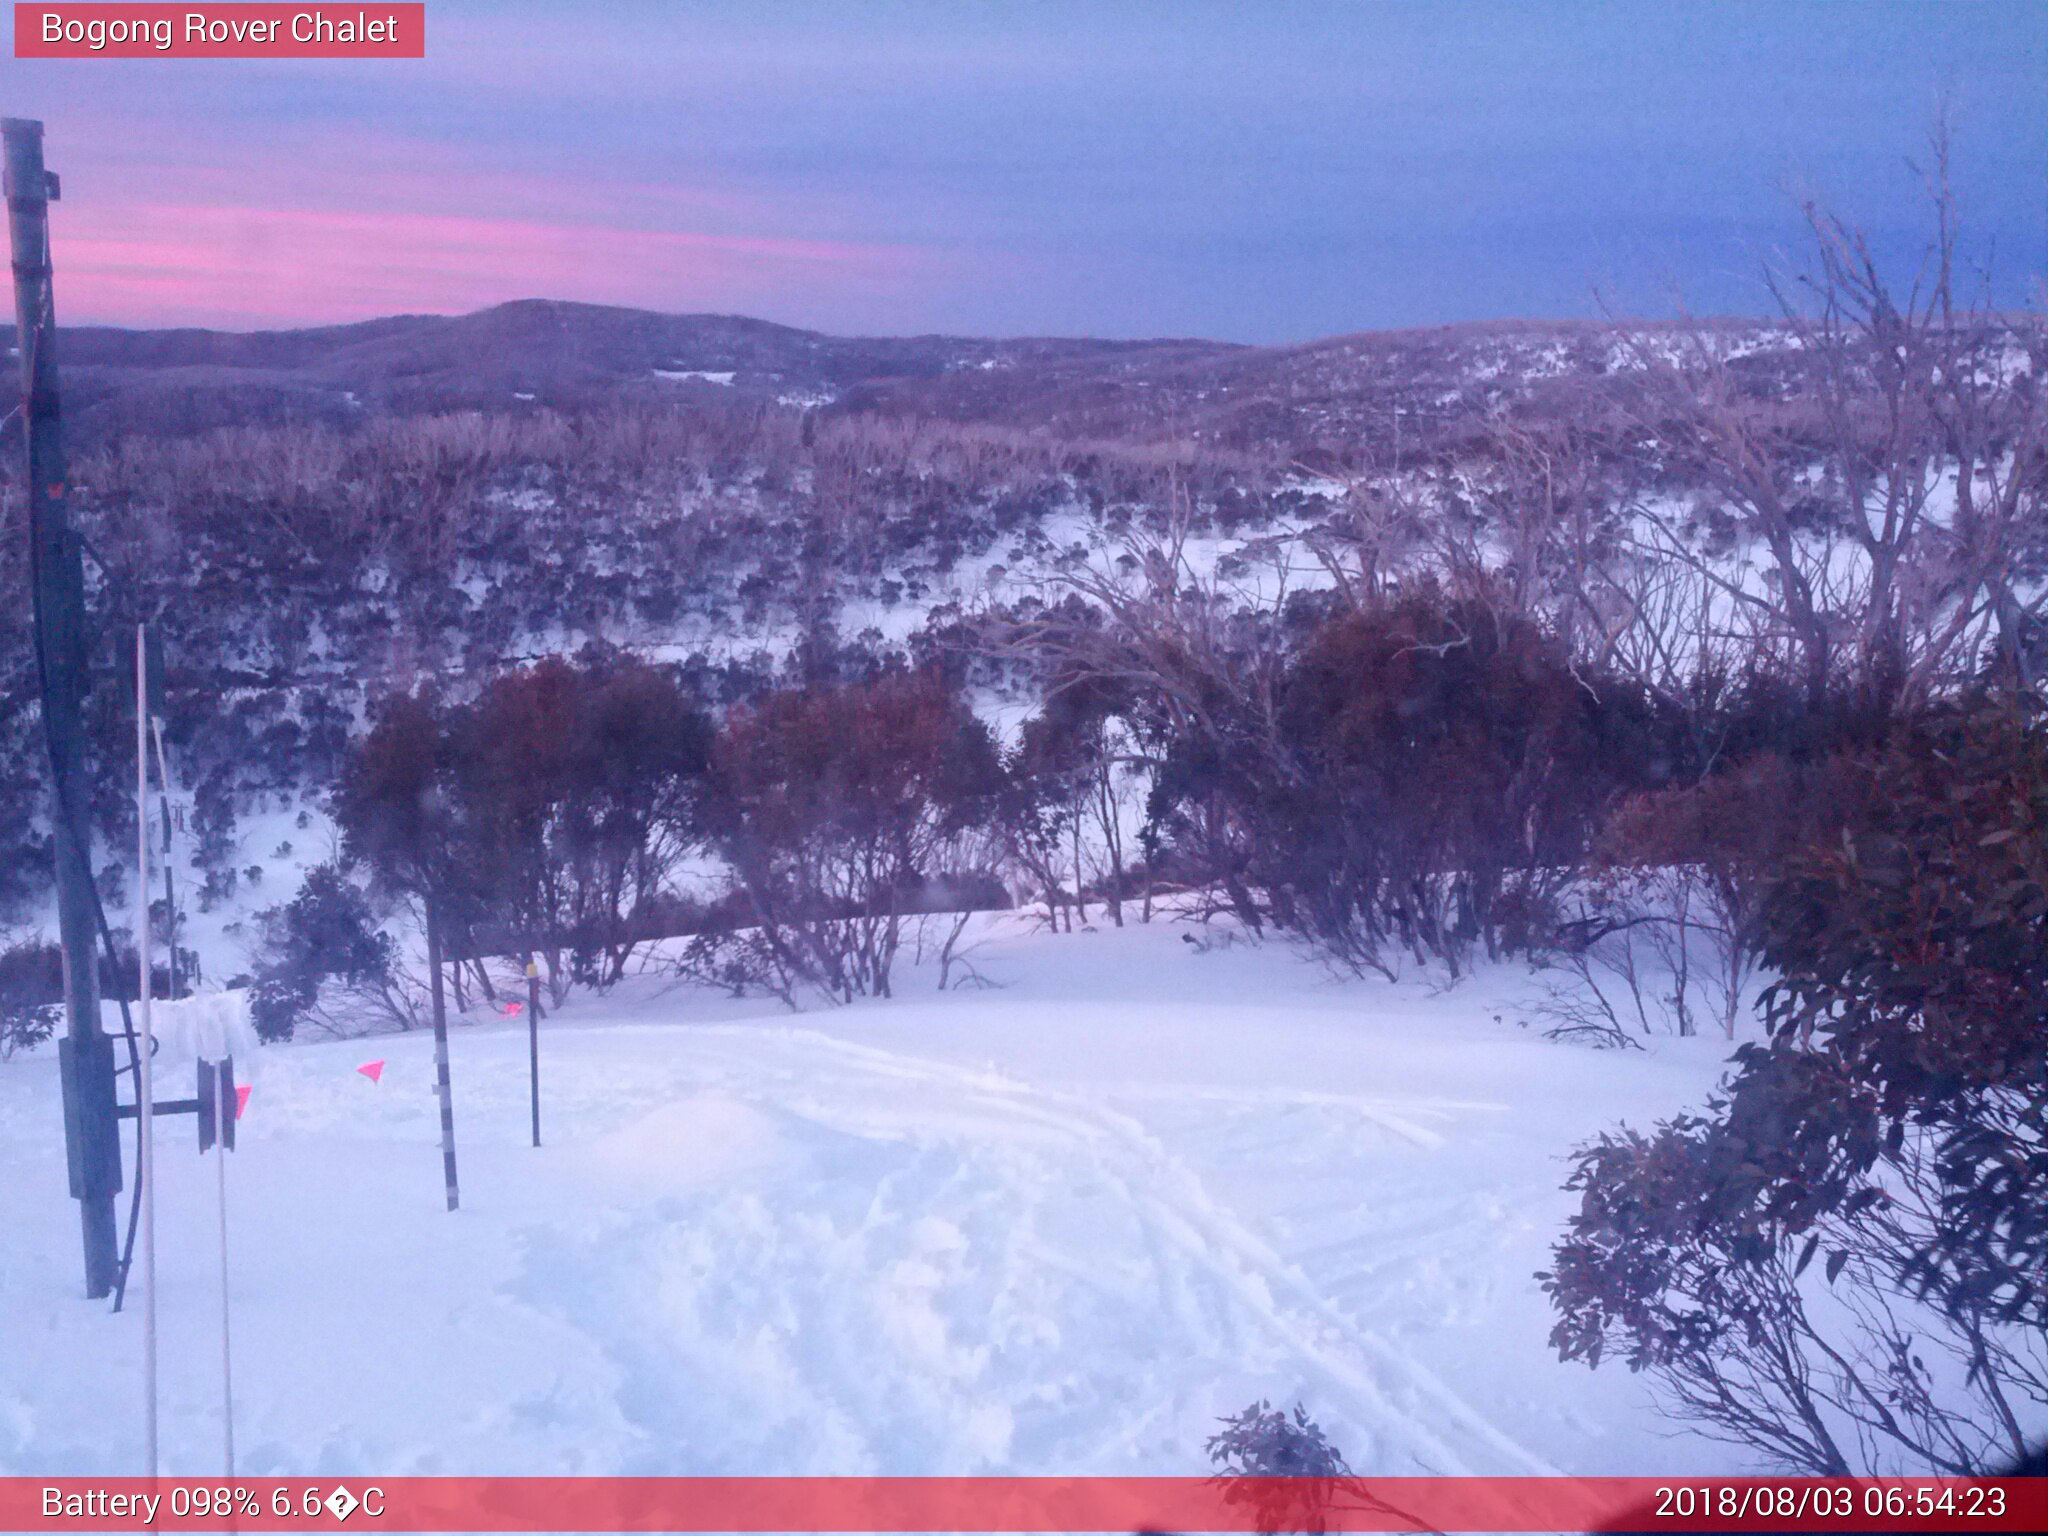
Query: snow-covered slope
x=1057, y=1224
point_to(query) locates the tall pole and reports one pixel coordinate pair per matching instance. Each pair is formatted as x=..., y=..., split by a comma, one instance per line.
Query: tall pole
x=163, y=793
x=533, y=1039
x=227, y=1106
x=441, y=1086
x=145, y=1105
x=57, y=577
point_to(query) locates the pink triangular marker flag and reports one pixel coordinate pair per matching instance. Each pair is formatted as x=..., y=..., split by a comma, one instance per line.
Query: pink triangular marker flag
x=373, y=1070
x=242, y=1098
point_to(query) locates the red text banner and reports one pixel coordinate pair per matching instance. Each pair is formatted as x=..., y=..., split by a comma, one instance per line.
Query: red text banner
x=237, y=31
x=1025, y=1504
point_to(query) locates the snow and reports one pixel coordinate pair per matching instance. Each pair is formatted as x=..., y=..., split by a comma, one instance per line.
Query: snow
x=270, y=836
x=202, y=1028
x=807, y=399
x=706, y=375
x=1055, y=1225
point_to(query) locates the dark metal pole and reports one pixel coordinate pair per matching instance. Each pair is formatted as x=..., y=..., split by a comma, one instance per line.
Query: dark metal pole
x=163, y=780
x=57, y=575
x=533, y=1039
x=441, y=1084
x=170, y=909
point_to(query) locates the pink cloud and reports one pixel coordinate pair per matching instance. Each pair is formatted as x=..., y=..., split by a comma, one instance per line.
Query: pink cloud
x=156, y=263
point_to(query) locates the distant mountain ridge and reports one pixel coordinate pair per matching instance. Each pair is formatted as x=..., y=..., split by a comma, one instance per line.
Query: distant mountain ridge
x=549, y=353
x=557, y=353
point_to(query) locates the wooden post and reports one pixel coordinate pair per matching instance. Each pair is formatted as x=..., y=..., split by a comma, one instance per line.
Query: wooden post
x=57, y=583
x=441, y=1083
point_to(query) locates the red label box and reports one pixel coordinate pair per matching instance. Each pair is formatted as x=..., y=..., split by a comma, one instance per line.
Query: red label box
x=368, y=29
x=1023, y=1504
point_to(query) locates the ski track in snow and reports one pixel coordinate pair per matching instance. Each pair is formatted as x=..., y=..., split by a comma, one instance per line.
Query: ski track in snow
x=764, y=1247
x=988, y=1199
x=1389, y=1385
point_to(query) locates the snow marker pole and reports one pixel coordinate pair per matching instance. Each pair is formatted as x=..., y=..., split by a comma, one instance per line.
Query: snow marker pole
x=533, y=1039
x=227, y=1105
x=145, y=1149
x=441, y=1053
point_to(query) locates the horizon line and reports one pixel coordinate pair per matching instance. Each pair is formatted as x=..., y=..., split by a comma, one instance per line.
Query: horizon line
x=1534, y=321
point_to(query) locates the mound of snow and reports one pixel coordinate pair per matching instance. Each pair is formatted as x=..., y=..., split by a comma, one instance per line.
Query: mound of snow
x=701, y=1139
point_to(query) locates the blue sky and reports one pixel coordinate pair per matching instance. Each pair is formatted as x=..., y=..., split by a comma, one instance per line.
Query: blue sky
x=1267, y=170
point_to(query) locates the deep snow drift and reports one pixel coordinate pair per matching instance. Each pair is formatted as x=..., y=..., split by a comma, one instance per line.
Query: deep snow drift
x=1056, y=1225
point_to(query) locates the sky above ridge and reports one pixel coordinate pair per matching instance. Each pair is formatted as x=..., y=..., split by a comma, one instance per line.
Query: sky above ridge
x=1268, y=170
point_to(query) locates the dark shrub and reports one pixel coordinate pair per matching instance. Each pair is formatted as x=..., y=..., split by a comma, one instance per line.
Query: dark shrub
x=1283, y=1468
x=1872, y=1192
x=575, y=784
x=1441, y=770
x=325, y=936
x=833, y=807
x=31, y=995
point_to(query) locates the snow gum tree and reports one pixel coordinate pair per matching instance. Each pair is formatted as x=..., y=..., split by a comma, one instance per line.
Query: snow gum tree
x=833, y=807
x=579, y=780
